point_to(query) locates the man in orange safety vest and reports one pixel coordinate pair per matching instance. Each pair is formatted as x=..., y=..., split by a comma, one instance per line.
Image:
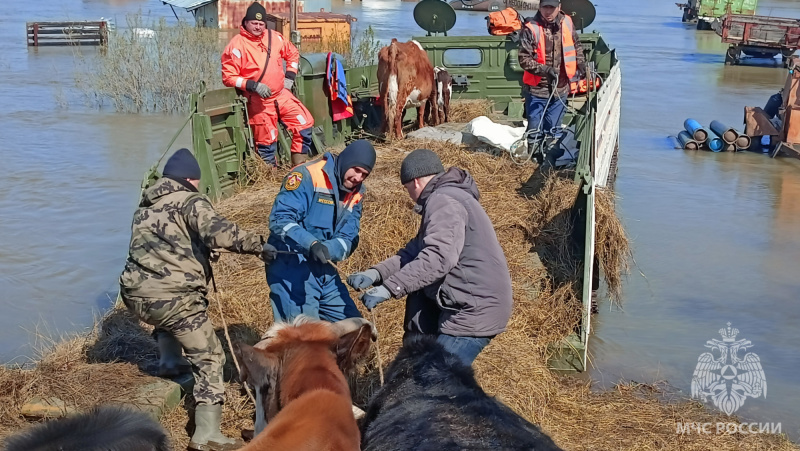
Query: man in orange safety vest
x=552, y=56
x=253, y=63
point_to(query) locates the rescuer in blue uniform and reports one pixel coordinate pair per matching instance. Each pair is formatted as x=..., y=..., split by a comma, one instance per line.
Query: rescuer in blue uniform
x=314, y=222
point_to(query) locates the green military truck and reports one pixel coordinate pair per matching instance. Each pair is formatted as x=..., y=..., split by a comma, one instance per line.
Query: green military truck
x=705, y=12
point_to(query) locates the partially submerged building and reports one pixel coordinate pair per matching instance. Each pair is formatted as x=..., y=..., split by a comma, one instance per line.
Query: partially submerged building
x=227, y=14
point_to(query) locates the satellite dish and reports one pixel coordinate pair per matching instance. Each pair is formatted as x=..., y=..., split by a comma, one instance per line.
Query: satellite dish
x=582, y=12
x=434, y=16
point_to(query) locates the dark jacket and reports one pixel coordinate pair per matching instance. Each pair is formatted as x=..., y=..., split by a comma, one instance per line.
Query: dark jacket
x=455, y=259
x=554, y=52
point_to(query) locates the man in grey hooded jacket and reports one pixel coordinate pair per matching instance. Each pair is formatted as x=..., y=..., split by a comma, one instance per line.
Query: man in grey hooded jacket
x=453, y=271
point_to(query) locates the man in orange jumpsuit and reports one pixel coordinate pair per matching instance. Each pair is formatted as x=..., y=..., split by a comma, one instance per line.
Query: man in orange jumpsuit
x=252, y=63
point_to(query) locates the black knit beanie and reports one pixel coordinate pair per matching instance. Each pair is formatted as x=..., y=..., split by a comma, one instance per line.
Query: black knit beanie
x=420, y=163
x=255, y=12
x=182, y=164
x=359, y=154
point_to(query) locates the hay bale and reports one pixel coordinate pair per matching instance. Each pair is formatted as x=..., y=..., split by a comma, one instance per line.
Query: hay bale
x=467, y=110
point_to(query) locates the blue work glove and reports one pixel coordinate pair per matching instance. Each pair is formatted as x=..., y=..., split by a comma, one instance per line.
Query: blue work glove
x=375, y=296
x=288, y=83
x=365, y=279
x=319, y=253
x=268, y=253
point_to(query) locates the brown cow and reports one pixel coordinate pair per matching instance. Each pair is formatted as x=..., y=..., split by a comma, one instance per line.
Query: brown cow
x=444, y=90
x=303, y=395
x=405, y=77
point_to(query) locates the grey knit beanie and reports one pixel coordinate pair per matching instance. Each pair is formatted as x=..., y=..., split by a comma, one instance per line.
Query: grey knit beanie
x=420, y=163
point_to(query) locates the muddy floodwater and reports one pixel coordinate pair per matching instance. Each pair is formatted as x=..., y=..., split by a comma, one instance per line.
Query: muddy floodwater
x=716, y=236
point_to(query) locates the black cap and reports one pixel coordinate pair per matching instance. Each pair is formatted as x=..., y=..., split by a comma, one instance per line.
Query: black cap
x=359, y=154
x=549, y=3
x=182, y=164
x=420, y=163
x=255, y=11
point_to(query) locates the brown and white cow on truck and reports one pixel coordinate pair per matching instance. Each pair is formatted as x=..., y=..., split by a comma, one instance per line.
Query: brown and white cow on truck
x=406, y=78
x=444, y=90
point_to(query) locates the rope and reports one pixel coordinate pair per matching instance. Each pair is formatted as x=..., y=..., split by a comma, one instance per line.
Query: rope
x=228, y=338
x=523, y=141
x=378, y=347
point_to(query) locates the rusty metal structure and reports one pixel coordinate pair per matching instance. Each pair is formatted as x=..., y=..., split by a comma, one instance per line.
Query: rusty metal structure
x=783, y=129
x=758, y=36
x=226, y=14
x=314, y=28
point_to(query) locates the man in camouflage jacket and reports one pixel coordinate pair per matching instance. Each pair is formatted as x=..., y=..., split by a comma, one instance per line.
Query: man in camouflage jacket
x=165, y=283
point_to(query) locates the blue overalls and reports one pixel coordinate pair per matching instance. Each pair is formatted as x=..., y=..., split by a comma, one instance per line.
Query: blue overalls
x=308, y=209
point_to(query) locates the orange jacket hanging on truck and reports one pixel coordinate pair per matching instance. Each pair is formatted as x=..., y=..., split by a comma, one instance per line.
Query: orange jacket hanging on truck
x=503, y=22
x=567, y=45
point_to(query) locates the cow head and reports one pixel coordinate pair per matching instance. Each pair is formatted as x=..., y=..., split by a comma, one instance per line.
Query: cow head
x=264, y=365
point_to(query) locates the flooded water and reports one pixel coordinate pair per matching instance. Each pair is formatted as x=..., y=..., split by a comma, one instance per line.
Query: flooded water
x=70, y=180
x=712, y=233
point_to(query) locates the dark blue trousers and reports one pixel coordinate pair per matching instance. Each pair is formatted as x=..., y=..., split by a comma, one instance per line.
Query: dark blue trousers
x=550, y=117
x=535, y=109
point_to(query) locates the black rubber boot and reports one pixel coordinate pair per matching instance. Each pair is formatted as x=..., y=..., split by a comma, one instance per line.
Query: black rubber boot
x=171, y=361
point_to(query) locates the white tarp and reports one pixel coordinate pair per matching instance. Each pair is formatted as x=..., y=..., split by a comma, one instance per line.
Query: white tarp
x=496, y=135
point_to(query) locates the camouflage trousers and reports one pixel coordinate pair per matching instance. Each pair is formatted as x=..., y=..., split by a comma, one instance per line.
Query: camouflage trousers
x=185, y=318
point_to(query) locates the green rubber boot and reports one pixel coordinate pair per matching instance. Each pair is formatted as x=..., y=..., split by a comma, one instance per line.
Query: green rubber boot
x=171, y=362
x=207, y=436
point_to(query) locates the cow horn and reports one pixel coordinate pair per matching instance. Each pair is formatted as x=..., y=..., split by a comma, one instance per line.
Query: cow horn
x=348, y=325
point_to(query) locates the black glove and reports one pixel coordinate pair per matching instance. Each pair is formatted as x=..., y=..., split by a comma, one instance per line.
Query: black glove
x=268, y=253
x=552, y=74
x=319, y=252
x=581, y=70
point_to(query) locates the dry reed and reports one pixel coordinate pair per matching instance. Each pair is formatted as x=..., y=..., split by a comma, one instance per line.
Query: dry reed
x=514, y=366
x=151, y=66
x=359, y=50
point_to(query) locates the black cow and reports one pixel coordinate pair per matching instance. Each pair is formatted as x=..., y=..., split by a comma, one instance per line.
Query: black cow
x=431, y=401
x=107, y=428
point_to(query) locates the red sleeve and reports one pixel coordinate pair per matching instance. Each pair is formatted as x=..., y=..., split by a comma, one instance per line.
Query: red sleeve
x=232, y=65
x=292, y=57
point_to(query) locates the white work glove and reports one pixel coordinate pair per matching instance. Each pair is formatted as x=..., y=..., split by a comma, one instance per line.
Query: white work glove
x=288, y=83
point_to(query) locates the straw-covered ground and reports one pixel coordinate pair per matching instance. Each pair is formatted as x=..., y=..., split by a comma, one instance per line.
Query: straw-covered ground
x=106, y=364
